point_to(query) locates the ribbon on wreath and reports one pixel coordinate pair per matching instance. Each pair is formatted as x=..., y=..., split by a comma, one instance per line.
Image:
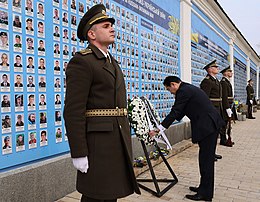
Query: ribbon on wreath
x=161, y=138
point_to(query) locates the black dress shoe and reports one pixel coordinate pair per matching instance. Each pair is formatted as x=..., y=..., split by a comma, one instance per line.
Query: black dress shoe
x=251, y=117
x=215, y=159
x=197, y=197
x=218, y=156
x=195, y=189
x=227, y=144
x=222, y=143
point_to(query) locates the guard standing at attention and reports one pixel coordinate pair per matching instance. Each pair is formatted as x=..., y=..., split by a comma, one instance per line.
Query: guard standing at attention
x=96, y=116
x=212, y=87
x=250, y=99
x=227, y=101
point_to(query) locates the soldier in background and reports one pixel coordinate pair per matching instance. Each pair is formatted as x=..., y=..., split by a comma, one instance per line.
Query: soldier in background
x=227, y=100
x=250, y=98
x=212, y=87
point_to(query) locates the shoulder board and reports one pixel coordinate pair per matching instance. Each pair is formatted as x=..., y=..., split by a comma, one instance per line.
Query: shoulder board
x=223, y=79
x=85, y=51
x=207, y=77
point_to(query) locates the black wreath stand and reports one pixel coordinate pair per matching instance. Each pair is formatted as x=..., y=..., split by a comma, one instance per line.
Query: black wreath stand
x=171, y=182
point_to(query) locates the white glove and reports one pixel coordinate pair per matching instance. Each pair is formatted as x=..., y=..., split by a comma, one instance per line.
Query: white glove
x=251, y=101
x=161, y=128
x=81, y=164
x=229, y=112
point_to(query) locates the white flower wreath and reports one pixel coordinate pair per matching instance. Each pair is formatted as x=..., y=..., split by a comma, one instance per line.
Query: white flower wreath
x=137, y=114
x=143, y=117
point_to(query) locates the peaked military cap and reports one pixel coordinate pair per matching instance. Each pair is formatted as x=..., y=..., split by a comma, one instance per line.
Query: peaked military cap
x=211, y=64
x=225, y=70
x=3, y=34
x=249, y=80
x=94, y=15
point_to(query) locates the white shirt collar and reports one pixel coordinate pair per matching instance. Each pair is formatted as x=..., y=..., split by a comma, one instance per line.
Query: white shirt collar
x=105, y=54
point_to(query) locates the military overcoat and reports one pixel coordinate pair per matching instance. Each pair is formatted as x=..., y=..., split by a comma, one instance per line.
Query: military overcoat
x=94, y=83
x=250, y=94
x=212, y=87
x=227, y=96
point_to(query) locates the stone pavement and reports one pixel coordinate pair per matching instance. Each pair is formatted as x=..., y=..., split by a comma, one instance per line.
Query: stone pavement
x=237, y=175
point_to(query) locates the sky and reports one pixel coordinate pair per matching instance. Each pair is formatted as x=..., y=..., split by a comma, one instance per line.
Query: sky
x=245, y=14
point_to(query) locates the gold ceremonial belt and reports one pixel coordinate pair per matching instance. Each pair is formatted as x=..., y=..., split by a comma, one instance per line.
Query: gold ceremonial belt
x=230, y=98
x=106, y=112
x=216, y=99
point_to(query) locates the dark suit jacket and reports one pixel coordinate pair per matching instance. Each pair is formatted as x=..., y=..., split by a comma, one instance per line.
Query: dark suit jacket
x=7, y=84
x=94, y=83
x=195, y=104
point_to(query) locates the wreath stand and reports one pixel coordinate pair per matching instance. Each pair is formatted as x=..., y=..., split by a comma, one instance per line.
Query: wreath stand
x=171, y=182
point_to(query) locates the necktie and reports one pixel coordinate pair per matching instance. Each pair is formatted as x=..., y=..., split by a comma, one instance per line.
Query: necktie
x=108, y=58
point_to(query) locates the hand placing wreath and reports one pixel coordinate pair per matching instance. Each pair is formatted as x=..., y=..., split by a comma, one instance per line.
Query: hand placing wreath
x=144, y=120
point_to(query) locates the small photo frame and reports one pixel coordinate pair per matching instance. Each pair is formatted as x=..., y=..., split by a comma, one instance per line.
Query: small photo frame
x=19, y=102
x=19, y=122
x=29, y=7
x=6, y=123
x=6, y=144
x=17, y=43
x=4, y=40
x=42, y=101
x=4, y=64
x=17, y=6
x=20, y=142
x=29, y=26
x=40, y=29
x=43, y=138
x=40, y=10
x=42, y=83
x=17, y=23
x=32, y=140
x=29, y=45
x=18, y=85
x=43, y=119
x=58, y=135
x=5, y=103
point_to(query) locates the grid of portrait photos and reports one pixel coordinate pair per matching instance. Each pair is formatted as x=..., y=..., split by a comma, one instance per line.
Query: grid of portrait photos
x=146, y=56
x=253, y=73
x=240, y=79
x=36, y=51
x=28, y=101
x=201, y=56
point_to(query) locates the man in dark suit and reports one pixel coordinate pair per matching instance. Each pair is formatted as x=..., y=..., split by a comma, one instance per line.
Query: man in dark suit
x=250, y=99
x=227, y=100
x=100, y=142
x=205, y=124
x=212, y=87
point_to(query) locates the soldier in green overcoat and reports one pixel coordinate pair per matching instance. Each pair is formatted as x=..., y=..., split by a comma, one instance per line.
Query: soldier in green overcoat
x=95, y=114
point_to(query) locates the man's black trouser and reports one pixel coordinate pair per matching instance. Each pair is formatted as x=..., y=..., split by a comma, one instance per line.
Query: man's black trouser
x=207, y=149
x=87, y=199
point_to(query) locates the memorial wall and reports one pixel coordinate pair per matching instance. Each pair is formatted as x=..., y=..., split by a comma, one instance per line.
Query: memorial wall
x=38, y=38
x=206, y=46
